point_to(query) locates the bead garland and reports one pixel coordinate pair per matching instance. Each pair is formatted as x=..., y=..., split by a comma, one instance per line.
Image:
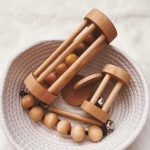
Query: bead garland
x=38, y=112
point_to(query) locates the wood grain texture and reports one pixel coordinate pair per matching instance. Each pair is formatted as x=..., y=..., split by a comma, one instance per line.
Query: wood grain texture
x=19, y=17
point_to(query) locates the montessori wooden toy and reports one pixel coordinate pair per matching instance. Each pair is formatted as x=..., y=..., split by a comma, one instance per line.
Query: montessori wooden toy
x=76, y=97
x=95, y=32
x=89, y=80
x=50, y=119
x=110, y=72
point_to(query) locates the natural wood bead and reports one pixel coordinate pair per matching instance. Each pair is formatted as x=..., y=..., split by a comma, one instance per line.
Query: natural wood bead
x=95, y=133
x=70, y=59
x=90, y=39
x=60, y=69
x=36, y=113
x=78, y=133
x=28, y=101
x=51, y=78
x=63, y=127
x=80, y=49
x=50, y=120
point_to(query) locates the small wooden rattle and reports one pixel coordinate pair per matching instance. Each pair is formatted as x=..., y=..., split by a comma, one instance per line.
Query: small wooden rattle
x=94, y=33
x=110, y=72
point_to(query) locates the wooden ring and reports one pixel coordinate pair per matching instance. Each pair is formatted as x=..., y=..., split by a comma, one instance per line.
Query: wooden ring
x=117, y=73
x=91, y=79
x=39, y=91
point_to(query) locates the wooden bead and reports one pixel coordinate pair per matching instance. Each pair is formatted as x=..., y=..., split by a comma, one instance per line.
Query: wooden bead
x=63, y=127
x=90, y=39
x=60, y=69
x=50, y=79
x=28, y=101
x=80, y=49
x=36, y=113
x=78, y=133
x=50, y=120
x=70, y=59
x=95, y=133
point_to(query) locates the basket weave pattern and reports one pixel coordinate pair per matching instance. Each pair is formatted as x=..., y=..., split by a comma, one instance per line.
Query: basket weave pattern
x=129, y=111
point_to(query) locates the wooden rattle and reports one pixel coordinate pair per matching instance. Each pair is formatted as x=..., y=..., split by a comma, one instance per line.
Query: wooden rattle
x=94, y=33
x=111, y=72
x=49, y=117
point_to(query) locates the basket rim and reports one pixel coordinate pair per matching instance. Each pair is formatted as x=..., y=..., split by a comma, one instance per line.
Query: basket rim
x=7, y=64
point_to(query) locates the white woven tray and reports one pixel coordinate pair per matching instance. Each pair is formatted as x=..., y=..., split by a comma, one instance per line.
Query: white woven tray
x=129, y=111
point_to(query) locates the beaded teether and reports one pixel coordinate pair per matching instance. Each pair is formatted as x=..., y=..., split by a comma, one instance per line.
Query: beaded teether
x=94, y=33
x=110, y=72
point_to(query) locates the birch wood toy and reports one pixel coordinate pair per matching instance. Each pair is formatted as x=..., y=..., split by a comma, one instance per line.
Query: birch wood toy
x=95, y=32
x=110, y=72
x=49, y=116
x=89, y=80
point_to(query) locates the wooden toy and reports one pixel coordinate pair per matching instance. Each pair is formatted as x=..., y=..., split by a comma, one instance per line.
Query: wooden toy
x=36, y=113
x=63, y=127
x=50, y=120
x=74, y=116
x=78, y=133
x=94, y=22
x=89, y=80
x=76, y=97
x=95, y=133
x=28, y=101
x=116, y=74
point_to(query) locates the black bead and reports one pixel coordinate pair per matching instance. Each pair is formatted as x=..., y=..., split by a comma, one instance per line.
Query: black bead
x=44, y=106
x=86, y=132
x=23, y=93
x=104, y=129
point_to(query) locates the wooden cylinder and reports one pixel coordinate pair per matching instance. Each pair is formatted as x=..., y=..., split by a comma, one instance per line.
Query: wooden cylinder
x=69, y=50
x=94, y=49
x=60, y=49
x=95, y=21
x=116, y=74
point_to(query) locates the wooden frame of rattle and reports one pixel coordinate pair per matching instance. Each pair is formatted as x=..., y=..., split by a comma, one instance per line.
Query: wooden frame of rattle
x=110, y=72
x=94, y=21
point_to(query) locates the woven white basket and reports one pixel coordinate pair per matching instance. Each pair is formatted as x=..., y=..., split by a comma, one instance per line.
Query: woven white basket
x=129, y=111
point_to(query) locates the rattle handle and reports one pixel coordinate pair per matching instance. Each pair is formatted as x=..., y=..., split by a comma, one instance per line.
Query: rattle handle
x=63, y=80
x=75, y=116
x=60, y=49
x=112, y=96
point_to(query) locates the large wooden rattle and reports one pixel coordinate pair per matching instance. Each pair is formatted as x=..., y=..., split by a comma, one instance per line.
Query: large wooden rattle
x=94, y=33
x=111, y=72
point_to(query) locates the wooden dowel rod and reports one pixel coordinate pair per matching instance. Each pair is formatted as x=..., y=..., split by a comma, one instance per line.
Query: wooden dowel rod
x=112, y=96
x=60, y=49
x=93, y=50
x=75, y=116
x=69, y=50
x=100, y=89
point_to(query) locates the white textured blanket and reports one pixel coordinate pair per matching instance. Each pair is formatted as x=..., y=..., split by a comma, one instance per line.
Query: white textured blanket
x=23, y=23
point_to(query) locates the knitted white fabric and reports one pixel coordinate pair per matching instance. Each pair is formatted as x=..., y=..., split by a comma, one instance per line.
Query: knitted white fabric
x=129, y=112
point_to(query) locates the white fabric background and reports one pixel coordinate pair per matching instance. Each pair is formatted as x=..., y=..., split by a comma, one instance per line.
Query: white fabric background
x=23, y=23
